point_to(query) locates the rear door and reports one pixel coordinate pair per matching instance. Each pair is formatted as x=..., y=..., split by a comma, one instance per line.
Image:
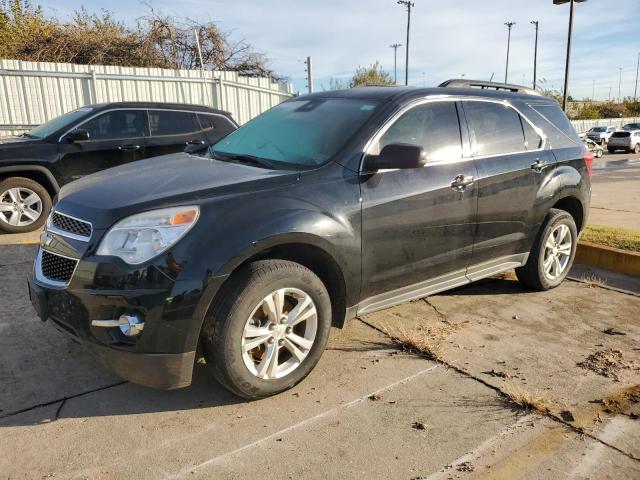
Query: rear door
x=418, y=224
x=172, y=131
x=116, y=137
x=512, y=162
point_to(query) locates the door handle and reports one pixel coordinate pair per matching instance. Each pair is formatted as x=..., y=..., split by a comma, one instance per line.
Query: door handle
x=461, y=182
x=538, y=166
x=129, y=148
x=195, y=142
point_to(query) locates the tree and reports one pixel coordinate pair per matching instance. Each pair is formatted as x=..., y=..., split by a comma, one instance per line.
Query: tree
x=372, y=75
x=99, y=39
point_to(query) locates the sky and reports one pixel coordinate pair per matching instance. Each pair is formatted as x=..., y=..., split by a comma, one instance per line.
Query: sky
x=449, y=38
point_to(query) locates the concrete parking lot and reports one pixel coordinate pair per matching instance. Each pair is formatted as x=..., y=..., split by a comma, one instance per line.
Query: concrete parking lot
x=371, y=409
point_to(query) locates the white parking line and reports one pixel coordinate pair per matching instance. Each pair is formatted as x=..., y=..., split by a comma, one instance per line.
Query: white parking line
x=224, y=456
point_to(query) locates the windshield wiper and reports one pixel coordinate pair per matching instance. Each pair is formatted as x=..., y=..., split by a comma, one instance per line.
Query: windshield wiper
x=244, y=158
x=27, y=135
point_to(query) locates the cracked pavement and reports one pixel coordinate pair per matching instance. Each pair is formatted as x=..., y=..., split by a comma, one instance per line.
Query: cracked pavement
x=63, y=415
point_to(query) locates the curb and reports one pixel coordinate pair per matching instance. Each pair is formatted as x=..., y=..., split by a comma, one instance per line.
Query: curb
x=608, y=258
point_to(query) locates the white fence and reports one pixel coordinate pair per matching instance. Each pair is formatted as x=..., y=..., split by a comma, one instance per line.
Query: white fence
x=34, y=92
x=583, y=126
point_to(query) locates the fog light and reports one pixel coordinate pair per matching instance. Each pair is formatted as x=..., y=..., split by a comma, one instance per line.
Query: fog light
x=129, y=325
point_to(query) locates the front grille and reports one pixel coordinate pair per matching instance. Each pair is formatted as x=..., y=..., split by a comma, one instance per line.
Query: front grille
x=71, y=225
x=57, y=268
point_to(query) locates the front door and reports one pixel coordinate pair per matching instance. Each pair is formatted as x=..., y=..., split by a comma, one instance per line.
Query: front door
x=116, y=137
x=418, y=224
x=512, y=164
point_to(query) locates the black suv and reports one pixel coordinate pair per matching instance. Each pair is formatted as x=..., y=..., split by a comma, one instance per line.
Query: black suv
x=89, y=139
x=324, y=207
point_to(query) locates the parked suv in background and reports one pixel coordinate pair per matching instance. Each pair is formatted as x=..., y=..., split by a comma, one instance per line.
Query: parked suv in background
x=600, y=134
x=35, y=165
x=631, y=126
x=325, y=207
x=627, y=140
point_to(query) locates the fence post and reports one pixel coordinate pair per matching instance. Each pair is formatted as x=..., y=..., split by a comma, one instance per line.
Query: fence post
x=94, y=87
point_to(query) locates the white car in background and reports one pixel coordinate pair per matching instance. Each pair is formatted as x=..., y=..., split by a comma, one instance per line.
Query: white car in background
x=627, y=140
x=601, y=135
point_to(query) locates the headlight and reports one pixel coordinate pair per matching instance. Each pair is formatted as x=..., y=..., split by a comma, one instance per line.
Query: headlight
x=141, y=237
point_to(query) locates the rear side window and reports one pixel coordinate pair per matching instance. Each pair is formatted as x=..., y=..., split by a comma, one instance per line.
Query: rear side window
x=116, y=124
x=433, y=126
x=494, y=128
x=216, y=123
x=560, y=131
x=166, y=122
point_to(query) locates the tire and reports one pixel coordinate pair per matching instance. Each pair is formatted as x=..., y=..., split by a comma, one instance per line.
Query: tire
x=636, y=149
x=23, y=217
x=534, y=274
x=237, y=315
x=599, y=153
x=611, y=150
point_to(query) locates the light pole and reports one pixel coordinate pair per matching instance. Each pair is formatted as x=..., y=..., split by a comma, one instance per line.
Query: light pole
x=635, y=91
x=395, y=47
x=506, y=68
x=593, y=91
x=620, y=86
x=535, y=54
x=566, y=68
x=407, y=4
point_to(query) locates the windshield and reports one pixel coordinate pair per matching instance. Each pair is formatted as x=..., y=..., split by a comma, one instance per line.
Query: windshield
x=599, y=129
x=57, y=123
x=304, y=132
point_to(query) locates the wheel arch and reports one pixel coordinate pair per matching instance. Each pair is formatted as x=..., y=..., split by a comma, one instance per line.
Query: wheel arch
x=37, y=173
x=572, y=205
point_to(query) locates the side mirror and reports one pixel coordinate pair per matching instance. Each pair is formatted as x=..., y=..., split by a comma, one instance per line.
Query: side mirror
x=77, y=135
x=395, y=155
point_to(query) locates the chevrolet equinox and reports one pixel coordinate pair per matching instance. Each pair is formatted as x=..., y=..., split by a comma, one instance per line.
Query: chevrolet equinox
x=325, y=207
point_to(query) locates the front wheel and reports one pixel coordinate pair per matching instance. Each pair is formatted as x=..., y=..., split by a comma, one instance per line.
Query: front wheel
x=636, y=149
x=267, y=328
x=552, y=254
x=24, y=205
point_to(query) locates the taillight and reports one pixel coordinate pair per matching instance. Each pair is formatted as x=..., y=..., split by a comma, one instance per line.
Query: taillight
x=588, y=160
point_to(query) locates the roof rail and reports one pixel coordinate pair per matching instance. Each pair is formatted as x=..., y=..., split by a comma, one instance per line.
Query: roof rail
x=464, y=83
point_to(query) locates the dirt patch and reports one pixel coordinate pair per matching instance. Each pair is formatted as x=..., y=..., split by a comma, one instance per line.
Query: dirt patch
x=425, y=339
x=608, y=363
x=525, y=399
x=625, y=402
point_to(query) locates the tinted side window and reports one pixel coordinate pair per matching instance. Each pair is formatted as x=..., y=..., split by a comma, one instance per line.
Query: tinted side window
x=556, y=126
x=434, y=126
x=532, y=140
x=166, y=122
x=117, y=124
x=494, y=128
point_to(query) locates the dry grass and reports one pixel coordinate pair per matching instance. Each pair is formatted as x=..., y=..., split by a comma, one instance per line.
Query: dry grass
x=425, y=339
x=526, y=399
x=613, y=237
x=593, y=281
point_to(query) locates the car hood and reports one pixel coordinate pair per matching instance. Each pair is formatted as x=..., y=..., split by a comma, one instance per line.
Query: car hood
x=107, y=196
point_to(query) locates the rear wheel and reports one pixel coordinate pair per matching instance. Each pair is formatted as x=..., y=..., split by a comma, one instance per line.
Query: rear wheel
x=552, y=254
x=636, y=149
x=267, y=329
x=611, y=150
x=24, y=205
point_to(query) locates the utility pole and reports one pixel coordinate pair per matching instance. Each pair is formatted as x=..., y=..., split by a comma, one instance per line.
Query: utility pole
x=620, y=86
x=395, y=47
x=535, y=54
x=309, y=74
x=593, y=91
x=568, y=61
x=506, y=69
x=635, y=91
x=407, y=4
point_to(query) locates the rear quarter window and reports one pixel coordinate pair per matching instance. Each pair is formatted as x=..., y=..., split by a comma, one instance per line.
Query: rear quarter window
x=556, y=125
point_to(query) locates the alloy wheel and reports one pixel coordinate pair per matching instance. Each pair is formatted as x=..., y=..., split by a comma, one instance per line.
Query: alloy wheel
x=20, y=207
x=279, y=333
x=557, y=251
